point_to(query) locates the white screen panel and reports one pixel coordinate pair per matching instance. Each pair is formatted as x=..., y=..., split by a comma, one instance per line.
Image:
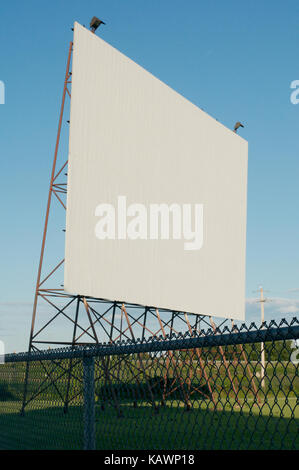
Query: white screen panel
x=136, y=142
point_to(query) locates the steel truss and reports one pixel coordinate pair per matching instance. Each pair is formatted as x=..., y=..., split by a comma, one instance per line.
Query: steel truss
x=94, y=321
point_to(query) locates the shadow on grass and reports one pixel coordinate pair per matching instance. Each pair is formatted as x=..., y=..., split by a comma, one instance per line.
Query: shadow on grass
x=171, y=427
x=44, y=427
x=174, y=428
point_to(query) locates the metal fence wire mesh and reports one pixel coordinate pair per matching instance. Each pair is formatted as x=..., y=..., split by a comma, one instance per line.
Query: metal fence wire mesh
x=201, y=390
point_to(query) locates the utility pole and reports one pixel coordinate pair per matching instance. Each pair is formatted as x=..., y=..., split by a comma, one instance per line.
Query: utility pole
x=262, y=302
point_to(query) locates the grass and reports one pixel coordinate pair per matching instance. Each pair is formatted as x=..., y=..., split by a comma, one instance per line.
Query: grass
x=271, y=424
x=200, y=428
x=44, y=426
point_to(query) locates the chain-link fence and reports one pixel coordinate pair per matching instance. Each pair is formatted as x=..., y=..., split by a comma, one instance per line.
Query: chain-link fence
x=229, y=389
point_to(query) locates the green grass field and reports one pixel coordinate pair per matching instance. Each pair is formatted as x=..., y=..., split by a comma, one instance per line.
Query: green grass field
x=271, y=426
x=245, y=423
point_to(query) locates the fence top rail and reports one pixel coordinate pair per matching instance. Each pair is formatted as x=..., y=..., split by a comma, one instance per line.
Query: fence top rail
x=197, y=339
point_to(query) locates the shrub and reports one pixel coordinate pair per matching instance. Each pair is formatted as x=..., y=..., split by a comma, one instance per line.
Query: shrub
x=5, y=393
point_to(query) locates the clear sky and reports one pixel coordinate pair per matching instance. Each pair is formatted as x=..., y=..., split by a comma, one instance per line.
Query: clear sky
x=234, y=59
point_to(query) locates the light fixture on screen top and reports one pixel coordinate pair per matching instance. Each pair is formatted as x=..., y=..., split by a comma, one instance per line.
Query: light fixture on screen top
x=95, y=23
x=237, y=126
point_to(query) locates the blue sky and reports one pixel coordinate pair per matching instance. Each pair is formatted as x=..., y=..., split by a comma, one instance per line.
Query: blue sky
x=236, y=60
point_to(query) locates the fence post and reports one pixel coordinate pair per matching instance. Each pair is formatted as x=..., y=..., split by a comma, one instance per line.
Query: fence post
x=89, y=405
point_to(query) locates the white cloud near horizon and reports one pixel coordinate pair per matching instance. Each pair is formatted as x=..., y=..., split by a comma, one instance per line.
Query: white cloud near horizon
x=276, y=306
